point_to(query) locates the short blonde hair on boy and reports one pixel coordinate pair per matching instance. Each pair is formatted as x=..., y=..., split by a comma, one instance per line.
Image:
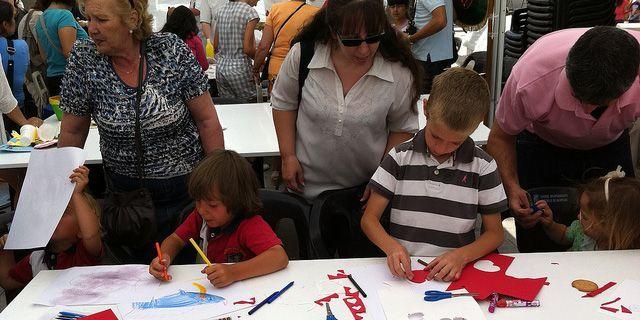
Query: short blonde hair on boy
x=229, y=175
x=459, y=98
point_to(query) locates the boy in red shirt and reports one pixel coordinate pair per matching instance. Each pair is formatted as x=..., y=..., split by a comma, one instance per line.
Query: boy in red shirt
x=75, y=242
x=226, y=192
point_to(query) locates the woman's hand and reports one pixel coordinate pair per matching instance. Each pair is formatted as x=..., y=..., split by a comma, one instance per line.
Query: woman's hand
x=292, y=174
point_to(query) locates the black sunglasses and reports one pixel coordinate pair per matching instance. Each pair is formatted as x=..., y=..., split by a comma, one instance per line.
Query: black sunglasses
x=356, y=42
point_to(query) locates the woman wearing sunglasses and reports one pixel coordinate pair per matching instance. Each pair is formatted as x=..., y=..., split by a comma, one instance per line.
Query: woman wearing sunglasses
x=357, y=102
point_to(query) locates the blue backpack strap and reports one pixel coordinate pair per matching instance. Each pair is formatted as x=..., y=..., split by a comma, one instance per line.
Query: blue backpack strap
x=11, y=50
x=307, y=49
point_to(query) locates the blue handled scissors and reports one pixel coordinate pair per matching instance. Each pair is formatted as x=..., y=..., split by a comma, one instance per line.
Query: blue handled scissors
x=434, y=295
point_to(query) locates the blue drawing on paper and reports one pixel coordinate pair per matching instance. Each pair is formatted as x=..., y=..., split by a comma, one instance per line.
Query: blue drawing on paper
x=180, y=299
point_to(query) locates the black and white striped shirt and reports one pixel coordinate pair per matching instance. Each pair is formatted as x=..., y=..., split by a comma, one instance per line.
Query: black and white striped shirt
x=434, y=205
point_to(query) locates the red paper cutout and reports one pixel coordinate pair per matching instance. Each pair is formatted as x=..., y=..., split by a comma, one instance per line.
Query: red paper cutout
x=599, y=291
x=326, y=299
x=547, y=283
x=250, y=301
x=614, y=310
x=354, y=303
x=102, y=315
x=419, y=276
x=339, y=275
x=612, y=301
x=625, y=310
x=486, y=283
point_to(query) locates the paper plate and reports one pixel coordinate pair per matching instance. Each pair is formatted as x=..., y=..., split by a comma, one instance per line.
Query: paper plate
x=8, y=148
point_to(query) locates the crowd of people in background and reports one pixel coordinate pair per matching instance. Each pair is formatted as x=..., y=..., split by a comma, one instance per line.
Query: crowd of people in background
x=345, y=80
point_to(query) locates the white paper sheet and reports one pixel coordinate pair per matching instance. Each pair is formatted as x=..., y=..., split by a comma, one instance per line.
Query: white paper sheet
x=400, y=302
x=44, y=196
x=372, y=278
x=175, y=299
x=629, y=293
x=100, y=285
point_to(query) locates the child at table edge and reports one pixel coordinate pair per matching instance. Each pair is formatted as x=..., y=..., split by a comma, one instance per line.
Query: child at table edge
x=437, y=182
x=75, y=242
x=608, y=218
x=225, y=188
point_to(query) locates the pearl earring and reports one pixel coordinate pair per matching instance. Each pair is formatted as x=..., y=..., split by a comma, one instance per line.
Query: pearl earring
x=131, y=31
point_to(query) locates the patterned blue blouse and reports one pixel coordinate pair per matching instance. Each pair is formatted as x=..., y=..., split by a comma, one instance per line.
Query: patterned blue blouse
x=170, y=137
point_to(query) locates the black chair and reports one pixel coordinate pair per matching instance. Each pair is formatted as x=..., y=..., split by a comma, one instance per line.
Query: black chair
x=480, y=61
x=278, y=206
x=225, y=100
x=334, y=225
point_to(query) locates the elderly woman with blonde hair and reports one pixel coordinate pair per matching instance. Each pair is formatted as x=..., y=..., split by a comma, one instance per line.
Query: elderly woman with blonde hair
x=150, y=101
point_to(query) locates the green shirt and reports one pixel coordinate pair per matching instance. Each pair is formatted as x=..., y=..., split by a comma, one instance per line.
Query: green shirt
x=579, y=240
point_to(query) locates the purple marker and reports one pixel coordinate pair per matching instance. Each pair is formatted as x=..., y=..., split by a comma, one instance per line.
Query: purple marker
x=503, y=303
x=493, y=302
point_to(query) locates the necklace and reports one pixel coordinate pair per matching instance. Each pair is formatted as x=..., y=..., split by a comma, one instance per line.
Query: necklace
x=127, y=72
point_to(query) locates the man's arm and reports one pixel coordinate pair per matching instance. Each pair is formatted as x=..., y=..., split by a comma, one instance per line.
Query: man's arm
x=437, y=23
x=502, y=147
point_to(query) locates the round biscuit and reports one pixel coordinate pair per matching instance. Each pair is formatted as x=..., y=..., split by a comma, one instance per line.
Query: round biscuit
x=584, y=285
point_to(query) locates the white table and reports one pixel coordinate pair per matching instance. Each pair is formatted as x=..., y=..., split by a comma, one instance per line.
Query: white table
x=629, y=26
x=559, y=300
x=248, y=129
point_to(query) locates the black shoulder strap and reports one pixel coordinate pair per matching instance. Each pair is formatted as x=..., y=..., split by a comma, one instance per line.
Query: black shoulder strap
x=11, y=63
x=285, y=22
x=138, y=129
x=307, y=49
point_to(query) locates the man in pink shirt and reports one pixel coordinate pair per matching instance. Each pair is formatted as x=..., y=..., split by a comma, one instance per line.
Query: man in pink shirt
x=564, y=112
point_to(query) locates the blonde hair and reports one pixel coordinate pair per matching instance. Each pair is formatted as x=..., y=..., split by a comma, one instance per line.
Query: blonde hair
x=93, y=204
x=143, y=29
x=459, y=98
x=618, y=216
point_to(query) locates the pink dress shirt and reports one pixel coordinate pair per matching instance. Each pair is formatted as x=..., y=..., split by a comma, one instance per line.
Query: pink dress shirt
x=538, y=98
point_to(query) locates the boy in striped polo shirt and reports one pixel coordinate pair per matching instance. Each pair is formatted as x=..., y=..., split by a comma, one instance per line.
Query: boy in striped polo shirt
x=437, y=183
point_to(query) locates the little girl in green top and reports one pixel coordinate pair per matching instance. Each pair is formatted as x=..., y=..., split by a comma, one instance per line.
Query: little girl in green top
x=608, y=219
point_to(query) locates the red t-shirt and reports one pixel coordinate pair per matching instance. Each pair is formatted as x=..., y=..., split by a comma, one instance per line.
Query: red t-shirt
x=76, y=256
x=235, y=243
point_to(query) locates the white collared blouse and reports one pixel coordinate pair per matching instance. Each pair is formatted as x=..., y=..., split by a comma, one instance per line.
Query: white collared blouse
x=340, y=139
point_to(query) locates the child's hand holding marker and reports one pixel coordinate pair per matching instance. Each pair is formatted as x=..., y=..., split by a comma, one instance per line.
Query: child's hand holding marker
x=220, y=275
x=159, y=266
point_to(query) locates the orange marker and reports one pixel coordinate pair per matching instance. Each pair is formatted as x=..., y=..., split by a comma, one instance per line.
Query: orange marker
x=164, y=272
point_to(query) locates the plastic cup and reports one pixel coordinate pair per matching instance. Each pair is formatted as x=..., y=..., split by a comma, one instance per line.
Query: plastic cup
x=46, y=132
x=55, y=105
x=28, y=134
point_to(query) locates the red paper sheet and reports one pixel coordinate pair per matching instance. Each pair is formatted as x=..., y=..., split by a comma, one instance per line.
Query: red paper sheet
x=327, y=299
x=612, y=301
x=599, y=291
x=251, y=301
x=419, y=276
x=340, y=275
x=625, y=310
x=354, y=303
x=102, y=315
x=614, y=310
x=485, y=283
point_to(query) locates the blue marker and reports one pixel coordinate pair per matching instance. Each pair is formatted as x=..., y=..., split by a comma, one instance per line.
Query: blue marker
x=271, y=298
x=71, y=314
